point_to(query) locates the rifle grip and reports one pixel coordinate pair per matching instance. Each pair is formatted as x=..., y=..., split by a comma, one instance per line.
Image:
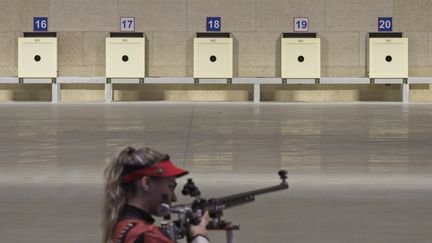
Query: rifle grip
x=195, y=221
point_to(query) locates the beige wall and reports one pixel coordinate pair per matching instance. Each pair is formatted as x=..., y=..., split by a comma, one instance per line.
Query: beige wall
x=255, y=24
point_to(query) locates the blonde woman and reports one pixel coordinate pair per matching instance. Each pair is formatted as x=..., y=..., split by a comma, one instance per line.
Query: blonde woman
x=135, y=182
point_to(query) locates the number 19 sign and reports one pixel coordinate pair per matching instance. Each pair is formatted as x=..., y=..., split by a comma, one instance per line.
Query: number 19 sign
x=301, y=24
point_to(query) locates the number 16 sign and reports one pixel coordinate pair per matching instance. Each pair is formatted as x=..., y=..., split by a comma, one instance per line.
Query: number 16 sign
x=40, y=23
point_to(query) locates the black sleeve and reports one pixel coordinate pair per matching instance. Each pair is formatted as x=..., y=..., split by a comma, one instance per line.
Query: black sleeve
x=139, y=239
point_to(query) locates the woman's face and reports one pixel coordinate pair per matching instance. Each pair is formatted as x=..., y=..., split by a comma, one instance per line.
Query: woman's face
x=161, y=190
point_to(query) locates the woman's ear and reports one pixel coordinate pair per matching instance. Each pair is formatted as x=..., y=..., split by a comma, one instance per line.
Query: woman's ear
x=144, y=183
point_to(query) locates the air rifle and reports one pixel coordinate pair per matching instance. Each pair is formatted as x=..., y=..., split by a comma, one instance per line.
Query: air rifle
x=191, y=213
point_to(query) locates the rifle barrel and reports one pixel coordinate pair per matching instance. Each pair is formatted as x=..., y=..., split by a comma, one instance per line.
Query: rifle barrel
x=246, y=197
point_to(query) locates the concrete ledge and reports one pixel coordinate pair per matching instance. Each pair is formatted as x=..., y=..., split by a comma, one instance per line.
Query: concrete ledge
x=338, y=80
x=299, y=81
x=81, y=80
x=189, y=80
x=246, y=80
x=269, y=81
x=36, y=80
x=8, y=80
x=388, y=80
x=213, y=81
x=420, y=80
x=126, y=80
x=169, y=80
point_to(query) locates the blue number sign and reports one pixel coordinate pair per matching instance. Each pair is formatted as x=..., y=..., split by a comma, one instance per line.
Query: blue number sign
x=40, y=23
x=385, y=23
x=214, y=24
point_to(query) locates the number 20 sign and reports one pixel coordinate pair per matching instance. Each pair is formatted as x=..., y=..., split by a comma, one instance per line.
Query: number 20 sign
x=385, y=23
x=301, y=24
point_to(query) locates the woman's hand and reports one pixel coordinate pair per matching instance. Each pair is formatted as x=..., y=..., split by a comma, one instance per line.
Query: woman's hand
x=199, y=229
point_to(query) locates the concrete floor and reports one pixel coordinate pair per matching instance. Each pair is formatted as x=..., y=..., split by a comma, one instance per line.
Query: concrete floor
x=358, y=172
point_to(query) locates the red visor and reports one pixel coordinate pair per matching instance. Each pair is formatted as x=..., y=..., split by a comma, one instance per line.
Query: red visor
x=162, y=169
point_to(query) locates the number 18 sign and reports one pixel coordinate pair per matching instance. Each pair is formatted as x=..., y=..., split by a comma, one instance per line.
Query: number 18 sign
x=301, y=24
x=213, y=23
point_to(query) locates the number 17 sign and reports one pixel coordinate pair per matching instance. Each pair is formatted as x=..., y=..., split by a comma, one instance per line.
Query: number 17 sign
x=301, y=24
x=127, y=24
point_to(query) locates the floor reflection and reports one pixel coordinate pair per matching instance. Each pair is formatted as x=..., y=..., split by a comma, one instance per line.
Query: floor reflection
x=363, y=169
